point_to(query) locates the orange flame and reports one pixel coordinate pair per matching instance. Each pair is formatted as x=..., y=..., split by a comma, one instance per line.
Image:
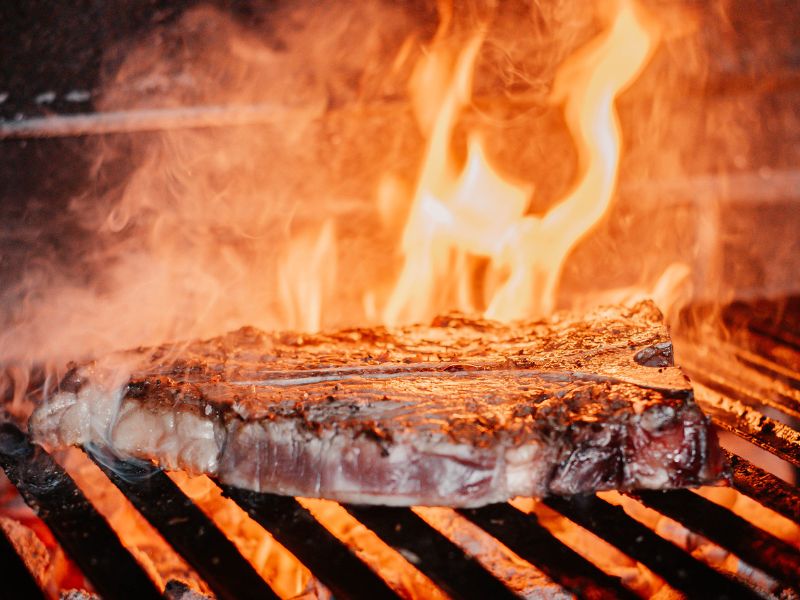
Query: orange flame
x=458, y=215
x=306, y=272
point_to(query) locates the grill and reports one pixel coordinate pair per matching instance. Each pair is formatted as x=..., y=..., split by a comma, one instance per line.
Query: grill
x=747, y=380
x=735, y=406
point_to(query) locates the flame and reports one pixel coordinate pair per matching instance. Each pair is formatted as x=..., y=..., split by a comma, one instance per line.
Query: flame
x=306, y=272
x=458, y=215
x=202, y=253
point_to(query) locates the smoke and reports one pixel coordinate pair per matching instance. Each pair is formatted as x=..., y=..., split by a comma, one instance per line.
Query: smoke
x=188, y=232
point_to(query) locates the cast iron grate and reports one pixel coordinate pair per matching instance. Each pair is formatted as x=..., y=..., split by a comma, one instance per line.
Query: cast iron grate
x=114, y=572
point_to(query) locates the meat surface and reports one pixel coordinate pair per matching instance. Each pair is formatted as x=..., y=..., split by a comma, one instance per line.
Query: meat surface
x=463, y=412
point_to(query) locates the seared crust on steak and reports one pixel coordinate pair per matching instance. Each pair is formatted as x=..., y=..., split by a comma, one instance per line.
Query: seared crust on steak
x=461, y=413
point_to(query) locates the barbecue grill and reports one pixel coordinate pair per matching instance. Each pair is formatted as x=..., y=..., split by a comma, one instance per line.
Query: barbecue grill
x=747, y=380
x=735, y=405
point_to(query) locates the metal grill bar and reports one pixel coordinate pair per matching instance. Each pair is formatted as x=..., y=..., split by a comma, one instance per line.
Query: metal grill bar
x=769, y=319
x=18, y=582
x=730, y=388
x=765, y=488
x=782, y=338
x=331, y=561
x=678, y=568
x=748, y=423
x=764, y=340
x=524, y=535
x=788, y=400
x=77, y=525
x=457, y=573
x=761, y=365
x=185, y=527
x=753, y=545
x=777, y=345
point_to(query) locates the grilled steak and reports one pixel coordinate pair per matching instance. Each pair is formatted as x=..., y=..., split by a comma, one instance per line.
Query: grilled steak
x=462, y=412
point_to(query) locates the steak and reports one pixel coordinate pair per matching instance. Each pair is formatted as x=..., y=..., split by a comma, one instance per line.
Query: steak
x=462, y=412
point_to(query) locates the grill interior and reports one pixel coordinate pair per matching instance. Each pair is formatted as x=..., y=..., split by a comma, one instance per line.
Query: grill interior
x=747, y=379
x=765, y=381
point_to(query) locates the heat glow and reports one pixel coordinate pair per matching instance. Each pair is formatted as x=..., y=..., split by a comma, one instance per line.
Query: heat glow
x=469, y=242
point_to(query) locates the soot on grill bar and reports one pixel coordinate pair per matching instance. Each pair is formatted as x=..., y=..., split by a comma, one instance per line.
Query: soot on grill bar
x=378, y=299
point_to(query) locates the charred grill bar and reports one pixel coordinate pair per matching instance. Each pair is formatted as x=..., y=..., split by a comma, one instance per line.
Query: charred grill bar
x=77, y=525
x=59, y=503
x=764, y=487
x=330, y=560
x=751, y=425
x=459, y=574
x=185, y=527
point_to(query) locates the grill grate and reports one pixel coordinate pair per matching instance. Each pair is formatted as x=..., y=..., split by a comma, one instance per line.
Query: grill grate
x=77, y=525
x=748, y=542
x=533, y=542
x=115, y=573
x=328, y=558
x=677, y=567
x=457, y=573
x=185, y=527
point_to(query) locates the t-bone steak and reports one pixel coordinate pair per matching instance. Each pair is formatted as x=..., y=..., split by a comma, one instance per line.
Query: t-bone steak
x=463, y=412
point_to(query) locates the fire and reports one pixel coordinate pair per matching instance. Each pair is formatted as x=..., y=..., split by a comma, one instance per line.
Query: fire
x=306, y=272
x=470, y=242
x=473, y=212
